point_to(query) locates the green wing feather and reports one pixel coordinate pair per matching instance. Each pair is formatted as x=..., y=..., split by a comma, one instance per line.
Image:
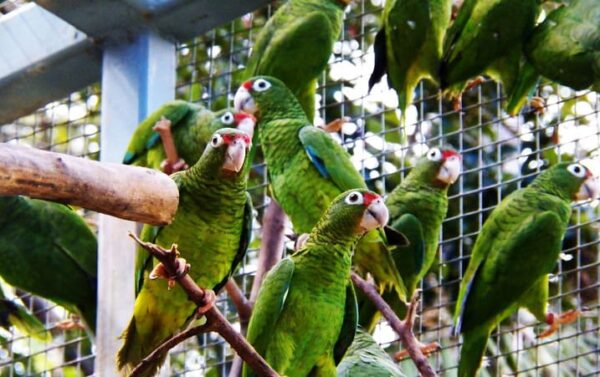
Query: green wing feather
x=267, y=310
x=15, y=314
x=342, y=172
x=409, y=260
x=348, y=330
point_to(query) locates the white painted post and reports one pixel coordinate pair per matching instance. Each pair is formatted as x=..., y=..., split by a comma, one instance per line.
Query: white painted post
x=136, y=79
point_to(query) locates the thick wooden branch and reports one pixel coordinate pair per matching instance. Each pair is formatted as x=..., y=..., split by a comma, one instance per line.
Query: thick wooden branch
x=128, y=192
x=215, y=321
x=402, y=328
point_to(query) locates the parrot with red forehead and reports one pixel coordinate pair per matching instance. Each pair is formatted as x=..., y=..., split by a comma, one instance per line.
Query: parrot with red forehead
x=417, y=207
x=191, y=126
x=212, y=196
x=308, y=169
x=517, y=248
x=305, y=314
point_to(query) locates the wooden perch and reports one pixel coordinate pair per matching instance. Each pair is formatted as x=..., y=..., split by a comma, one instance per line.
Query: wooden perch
x=402, y=328
x=128, y=192
x=215, y=321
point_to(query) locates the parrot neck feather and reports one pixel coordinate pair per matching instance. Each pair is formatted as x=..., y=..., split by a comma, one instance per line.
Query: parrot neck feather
x=544, y=183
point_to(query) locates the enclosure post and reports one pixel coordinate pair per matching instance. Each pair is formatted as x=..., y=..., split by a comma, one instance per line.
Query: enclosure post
x=137, y=77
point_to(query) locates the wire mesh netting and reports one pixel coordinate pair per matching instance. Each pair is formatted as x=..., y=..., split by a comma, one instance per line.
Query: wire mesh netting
x=500, y=154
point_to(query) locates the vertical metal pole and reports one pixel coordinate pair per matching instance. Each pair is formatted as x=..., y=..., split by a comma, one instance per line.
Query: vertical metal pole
x=136, y=79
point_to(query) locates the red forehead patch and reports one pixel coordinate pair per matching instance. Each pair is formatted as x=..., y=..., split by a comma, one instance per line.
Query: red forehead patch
x=370, y=197
x=241, y=116
x=229, y=138
x=447, y=153
x=247, y=85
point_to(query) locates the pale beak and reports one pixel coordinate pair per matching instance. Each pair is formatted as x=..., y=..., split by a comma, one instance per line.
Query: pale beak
x=235, y=155
x=243, y=101
x=589, y=189
x=247, y=125
x=375, y=215
x=449, y=170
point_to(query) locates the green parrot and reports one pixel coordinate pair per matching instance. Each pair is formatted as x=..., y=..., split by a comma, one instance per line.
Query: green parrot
x=305, y=314
x=566, y=46
x=515, y=251
x=212, y=196
x=49, y=250
x=365, y=358
x=308, y=169
x=417, y=208
x=192, y=127
x=296, y=44
x=409, y=45
x=14, y=314
x=481, y=41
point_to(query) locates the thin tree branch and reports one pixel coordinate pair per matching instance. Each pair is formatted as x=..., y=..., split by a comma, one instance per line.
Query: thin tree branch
x=242, y=304
x=271, y=251
x=128, y=192
x=402, y=328
x=176, y=268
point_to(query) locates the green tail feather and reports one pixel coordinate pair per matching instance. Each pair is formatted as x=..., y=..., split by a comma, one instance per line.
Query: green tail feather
x=524, y=88
x=132, y=352
x=471, y=352
x=24, y=321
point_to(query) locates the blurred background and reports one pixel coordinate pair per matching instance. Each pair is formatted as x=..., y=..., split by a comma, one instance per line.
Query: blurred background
x=500, y=154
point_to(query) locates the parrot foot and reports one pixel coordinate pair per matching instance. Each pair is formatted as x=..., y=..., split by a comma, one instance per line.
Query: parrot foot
x=426, y=349
x=168, y=168
x=457, y=103
x=335, y=125
x=538, y=105
x=555, y=322
x=209, y=298
x=73, y=323
x=160, y=271
x=474, y=83
x=299, y=240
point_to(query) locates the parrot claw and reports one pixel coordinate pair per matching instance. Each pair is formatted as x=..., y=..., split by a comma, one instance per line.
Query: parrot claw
x=162, y=125
x=209, y=298
x=160, y=272
x=554, y=322
x=335, y=125
x=538, y=105
x=474, y=83
x=457, y=104
x=73, y=323
x=426, y=349
x=169, y=168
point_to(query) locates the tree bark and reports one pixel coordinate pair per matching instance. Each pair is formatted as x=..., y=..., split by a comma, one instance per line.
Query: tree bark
x=128, y=192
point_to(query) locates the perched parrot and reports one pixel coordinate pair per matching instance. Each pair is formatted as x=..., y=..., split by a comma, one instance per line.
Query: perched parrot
x=192, y=127
x=212, y=228
x=481, y=41
x=295, y=46
x=365, y=358
x=305, y=314
x=409, y=45
x=417, y=208
x=308, y=169
x=566, y=46
x=49, y=250
x=515, y=251
x=14, y=314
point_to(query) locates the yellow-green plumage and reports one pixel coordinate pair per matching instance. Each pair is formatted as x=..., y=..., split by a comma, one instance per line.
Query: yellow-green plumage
x=365, y=358
x=515, y=251
x=211, y=230
x=295, y=45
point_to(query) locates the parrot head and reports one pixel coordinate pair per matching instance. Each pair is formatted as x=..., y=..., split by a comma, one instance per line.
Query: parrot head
x=242, y=121
x=357, y=212
x=439, y=167
x=262, y=94
x=227, y=150
x=570, y=180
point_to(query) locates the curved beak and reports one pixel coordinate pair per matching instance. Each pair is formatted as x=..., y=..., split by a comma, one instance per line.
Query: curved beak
x=589, y=189
x=236, y=154
x=450, y=169
x=245, y=122
x=376, y=215
x=243, y=101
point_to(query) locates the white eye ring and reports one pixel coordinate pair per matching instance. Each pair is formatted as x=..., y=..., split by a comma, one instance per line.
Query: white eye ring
x=227, y=118
x=434, y=154
x=577, y=170
x=354, y=198
x=261, y=85
x=216, y=140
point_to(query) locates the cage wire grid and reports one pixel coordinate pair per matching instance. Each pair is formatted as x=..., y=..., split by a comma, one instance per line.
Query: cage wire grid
x=500, y=154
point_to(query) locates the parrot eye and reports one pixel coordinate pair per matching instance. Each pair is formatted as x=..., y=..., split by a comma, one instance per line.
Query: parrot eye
x=577, y=170
x=261, y=85
x=216, y=140
x=227, y=118
x=354, y=198
x=434, y=154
